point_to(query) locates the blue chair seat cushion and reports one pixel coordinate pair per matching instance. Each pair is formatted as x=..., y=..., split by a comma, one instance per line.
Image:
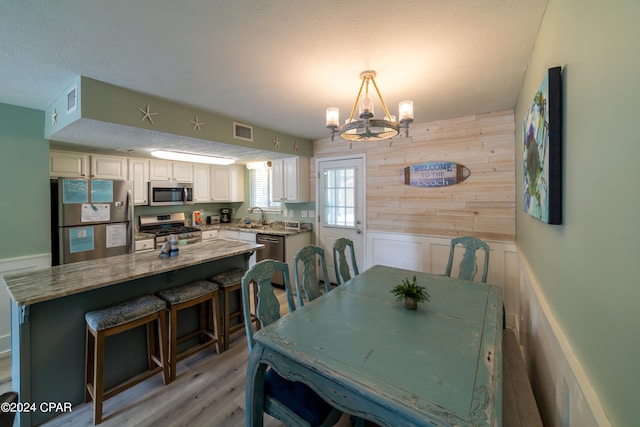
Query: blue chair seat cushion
x=298, y=397
x=125, y=312
x=228, y=278
x=187, y=292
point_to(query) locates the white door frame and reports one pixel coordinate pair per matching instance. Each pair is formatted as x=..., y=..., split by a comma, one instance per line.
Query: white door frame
x=363, y=176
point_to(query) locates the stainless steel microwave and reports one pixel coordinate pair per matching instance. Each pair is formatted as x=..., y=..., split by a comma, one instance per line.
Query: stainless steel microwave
x=166, y=193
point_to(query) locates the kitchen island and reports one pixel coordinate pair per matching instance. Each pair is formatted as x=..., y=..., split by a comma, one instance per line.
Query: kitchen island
x=48, y=307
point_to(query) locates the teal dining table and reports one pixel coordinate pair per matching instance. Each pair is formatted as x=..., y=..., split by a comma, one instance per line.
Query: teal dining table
x=363, y=352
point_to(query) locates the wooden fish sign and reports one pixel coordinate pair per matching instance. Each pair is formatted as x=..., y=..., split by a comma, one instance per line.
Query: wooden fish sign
x=434, y=174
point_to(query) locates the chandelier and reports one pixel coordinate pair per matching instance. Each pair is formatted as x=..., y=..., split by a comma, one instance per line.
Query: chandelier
x=368, y=128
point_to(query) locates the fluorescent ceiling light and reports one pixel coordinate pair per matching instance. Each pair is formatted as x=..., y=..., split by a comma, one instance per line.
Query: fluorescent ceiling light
x=194, y=158
x=259, y=165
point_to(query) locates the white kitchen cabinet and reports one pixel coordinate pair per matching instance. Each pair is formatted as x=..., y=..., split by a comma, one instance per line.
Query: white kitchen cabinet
x=227, y=183
x=201, y=181
x=139, y=174
x=68, y=164
x=145, y=245
x=244, y=236
x=210, y=234
x=182, y=172
x=109, y=167
x=162, y=170
x=228, y=234
x=291, y=179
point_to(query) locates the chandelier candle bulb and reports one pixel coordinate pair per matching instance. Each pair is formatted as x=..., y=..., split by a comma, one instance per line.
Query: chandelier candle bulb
x=406, y=110
x=333, y=117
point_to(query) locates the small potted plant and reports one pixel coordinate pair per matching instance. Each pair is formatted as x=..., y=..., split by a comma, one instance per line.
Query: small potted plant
x=411, y=292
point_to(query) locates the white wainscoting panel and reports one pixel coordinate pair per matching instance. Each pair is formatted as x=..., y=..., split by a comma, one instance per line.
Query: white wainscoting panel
x=562, y=389
x=15, y=265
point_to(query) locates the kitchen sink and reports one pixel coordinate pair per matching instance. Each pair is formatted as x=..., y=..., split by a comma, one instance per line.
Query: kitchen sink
x=253, y=226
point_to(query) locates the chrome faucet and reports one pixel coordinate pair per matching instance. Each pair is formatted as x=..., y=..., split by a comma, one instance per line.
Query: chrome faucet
x=263, y=217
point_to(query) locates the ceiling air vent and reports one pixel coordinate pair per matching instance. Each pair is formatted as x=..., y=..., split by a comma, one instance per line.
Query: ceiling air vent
x=72, y=100
x=241, y=131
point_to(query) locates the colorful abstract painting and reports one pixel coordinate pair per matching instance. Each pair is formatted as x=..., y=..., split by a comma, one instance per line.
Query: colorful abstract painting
x=542, y=151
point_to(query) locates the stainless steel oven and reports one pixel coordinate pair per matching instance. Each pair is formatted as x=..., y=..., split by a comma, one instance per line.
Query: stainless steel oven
x=273, y=249
x=165, y=193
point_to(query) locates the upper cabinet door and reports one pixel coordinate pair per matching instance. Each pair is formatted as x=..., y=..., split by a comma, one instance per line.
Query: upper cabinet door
x=67, y=164
x=201, y=176
x=291, y=180
x=109, y=167
x=220, y=184
x=183, y=172
x=160, y=170
x=139, y=174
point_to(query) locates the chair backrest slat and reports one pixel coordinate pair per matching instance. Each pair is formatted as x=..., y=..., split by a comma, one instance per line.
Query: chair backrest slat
x=340, y=260
x=307, y=280
x=268, y=307
x=469, y=266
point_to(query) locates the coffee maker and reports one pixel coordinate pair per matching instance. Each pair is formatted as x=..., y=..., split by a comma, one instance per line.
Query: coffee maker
x=225, y=215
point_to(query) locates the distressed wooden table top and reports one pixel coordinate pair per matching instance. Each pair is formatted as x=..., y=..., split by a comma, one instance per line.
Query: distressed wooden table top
x=63, y=280
x=439, y=364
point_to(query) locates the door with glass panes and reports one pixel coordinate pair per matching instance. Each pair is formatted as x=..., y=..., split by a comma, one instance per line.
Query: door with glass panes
x=341, y=207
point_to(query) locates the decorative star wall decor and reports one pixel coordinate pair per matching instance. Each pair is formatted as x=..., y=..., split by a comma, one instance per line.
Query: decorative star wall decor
x=54, y=117
x=196, y=124
x=295, y=146
x=146, y=114
x=276, y=142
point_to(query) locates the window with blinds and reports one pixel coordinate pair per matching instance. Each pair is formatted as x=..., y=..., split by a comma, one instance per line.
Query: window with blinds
x=261, y=189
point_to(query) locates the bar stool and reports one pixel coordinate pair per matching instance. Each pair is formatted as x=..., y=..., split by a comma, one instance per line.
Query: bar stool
x=231, y=281
x=201, y=293
x=145, y=310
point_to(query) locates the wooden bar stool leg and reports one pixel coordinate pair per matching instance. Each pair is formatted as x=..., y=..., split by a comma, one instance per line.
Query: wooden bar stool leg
x=98, y=380
x=215, y=318
x=173, y=342
x=162, y=341
x=88, y=366
x=227, y=319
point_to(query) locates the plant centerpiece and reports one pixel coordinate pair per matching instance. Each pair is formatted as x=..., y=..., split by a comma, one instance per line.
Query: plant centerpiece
x=411, y=293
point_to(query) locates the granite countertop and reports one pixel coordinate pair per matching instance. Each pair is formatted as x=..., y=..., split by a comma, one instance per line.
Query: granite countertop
x=276, y=229
x=63, y=280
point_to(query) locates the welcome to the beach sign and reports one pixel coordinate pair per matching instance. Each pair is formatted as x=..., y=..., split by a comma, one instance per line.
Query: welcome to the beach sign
x=434, y=174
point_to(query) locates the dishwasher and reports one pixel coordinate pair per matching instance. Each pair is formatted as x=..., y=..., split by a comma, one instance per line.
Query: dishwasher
x=273, y=249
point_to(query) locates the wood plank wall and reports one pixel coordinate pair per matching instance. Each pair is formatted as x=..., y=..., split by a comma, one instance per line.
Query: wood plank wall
x=483, y=205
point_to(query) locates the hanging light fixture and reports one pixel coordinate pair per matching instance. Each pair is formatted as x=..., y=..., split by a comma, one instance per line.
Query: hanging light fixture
x=368, y=128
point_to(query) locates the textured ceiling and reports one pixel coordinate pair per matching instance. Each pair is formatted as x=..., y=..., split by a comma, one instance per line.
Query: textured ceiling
x=276, y=64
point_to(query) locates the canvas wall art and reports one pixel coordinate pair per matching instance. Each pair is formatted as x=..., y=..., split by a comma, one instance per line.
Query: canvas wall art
x=542, y=151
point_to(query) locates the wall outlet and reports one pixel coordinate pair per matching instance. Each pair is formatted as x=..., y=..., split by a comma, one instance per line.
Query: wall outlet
x=312, y=214
x=284, y=213
x=303, y=213
x=292, y=213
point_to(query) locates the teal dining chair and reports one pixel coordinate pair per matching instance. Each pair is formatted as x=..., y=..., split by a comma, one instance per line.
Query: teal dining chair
x=292, y=402
x=6, y=417
x=469, y=264
x=340, y=260
x=306, y=280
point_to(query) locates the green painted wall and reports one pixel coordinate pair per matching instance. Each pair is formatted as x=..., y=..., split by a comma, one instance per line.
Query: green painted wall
x=587, y=266
x=24, y=174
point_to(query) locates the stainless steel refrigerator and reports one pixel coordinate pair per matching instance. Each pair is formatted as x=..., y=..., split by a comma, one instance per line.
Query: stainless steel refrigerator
x=90, y=219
